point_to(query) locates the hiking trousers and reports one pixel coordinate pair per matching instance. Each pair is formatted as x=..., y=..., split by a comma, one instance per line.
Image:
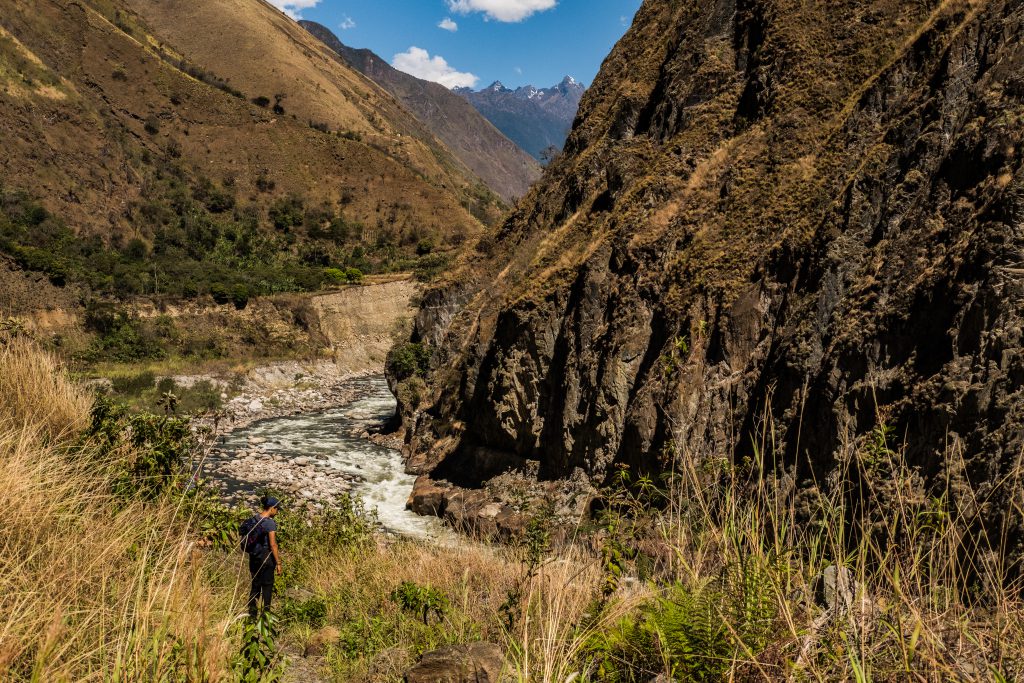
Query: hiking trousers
x=257, y=591
x=262, y=585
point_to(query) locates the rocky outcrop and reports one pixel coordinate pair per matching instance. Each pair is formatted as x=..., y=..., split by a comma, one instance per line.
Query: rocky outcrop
x=473, y=663
x=506, y=506
x=773, y=224
x=361, y=323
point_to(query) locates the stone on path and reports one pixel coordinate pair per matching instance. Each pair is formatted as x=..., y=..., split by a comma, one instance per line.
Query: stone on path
x=473, y=663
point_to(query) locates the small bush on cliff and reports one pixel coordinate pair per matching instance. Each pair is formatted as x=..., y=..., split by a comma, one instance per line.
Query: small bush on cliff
x=351, y=276
x=408, y=360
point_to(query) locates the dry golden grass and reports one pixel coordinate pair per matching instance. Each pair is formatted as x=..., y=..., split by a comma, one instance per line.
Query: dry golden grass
x=36, y=399
x=358, y=583
x=559, y=621
x=544, y=643
x=91, y=587
x=929, y=595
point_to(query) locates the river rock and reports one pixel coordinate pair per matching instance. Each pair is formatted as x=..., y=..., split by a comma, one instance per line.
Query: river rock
x=255, y=406
x=473, y=663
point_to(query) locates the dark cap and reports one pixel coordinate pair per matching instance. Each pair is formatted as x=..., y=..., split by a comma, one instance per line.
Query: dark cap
x=270, y=502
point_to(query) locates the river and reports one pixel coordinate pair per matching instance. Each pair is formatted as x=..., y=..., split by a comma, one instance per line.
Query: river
x=333, y=438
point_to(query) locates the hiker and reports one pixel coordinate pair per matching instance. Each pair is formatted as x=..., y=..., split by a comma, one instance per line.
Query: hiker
x=259, y=540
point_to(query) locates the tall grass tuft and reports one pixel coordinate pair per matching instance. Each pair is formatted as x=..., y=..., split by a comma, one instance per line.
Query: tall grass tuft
x=37, y=399
x=869, y=575
x=93, y=586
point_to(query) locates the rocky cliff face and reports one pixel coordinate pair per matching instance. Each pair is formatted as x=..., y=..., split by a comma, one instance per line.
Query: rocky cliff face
x=778, y=229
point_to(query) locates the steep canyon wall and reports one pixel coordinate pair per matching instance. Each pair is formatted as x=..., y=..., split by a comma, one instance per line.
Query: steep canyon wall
x=775, y=223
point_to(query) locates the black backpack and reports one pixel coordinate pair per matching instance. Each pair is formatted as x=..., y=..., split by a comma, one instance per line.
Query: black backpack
x=252, y=536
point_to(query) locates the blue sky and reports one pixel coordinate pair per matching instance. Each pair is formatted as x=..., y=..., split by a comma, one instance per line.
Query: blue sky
x=476, y=42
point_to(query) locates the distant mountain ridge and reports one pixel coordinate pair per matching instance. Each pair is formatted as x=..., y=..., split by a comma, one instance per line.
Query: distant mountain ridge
x=534, y=118
x=500, y=162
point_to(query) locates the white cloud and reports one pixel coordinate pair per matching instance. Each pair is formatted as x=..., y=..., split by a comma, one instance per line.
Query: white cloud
x=417, y=62
x=502, y=10
x=448, y=25
x=347, y=23
x=293, y=8
x=519, y=70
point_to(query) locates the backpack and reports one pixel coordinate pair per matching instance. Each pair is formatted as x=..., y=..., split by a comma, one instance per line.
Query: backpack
x=252, y=535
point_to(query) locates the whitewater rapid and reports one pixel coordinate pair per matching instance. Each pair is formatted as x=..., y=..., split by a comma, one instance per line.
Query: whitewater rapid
x=334, y=438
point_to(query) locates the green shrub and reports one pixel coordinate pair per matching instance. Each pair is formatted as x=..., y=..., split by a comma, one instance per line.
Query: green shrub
x=287, y=213
x=424, y=247
x=240, y=296
x=312, y=612
x=420, y=600
x=407, y=360
x=100, y=317
x=352, y=276
x=127, y=340
x=219, y=201
x=362, y=637
x=136, y=250
x=429, y=267
x=335, y=275
x=160, y=448
x=220, y=293
x=265, y=183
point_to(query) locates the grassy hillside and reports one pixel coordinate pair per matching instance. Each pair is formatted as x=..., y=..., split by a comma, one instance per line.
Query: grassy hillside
x=506, y=168
x=163, y=163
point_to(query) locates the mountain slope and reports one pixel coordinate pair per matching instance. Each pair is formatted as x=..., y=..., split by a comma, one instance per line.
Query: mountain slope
x=777, y=231
x=120, y=123
x=536, y=119
x=501, y=164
